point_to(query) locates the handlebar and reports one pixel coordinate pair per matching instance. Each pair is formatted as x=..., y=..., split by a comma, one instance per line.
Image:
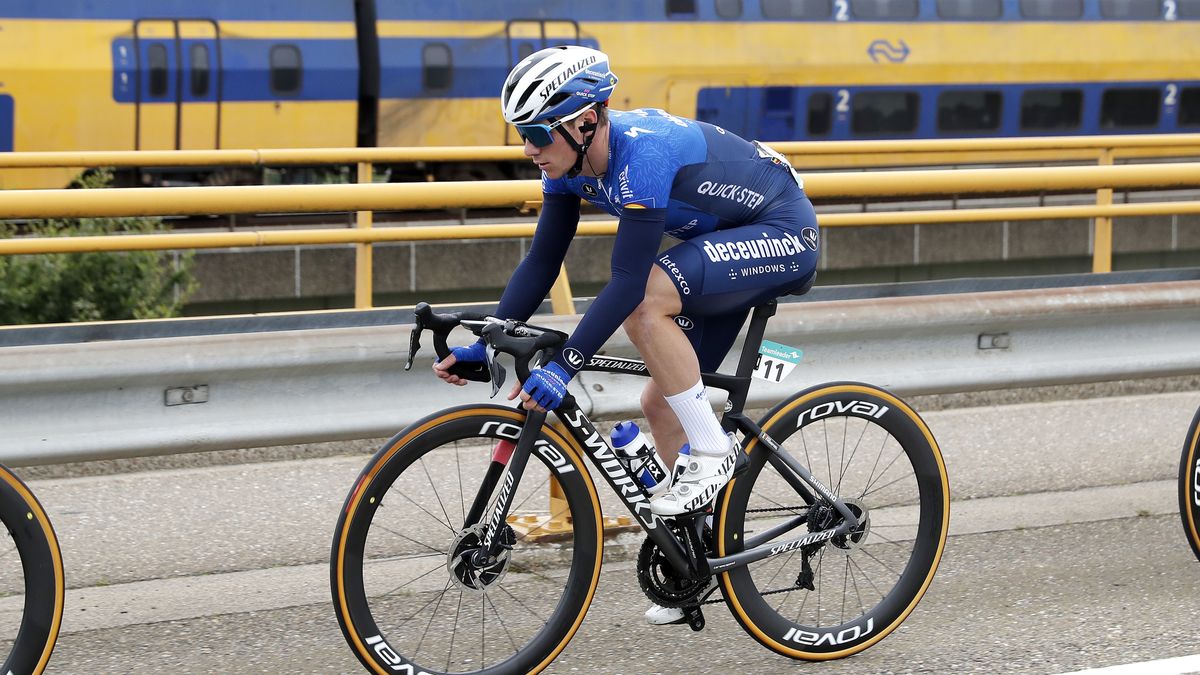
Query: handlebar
x=515, y=338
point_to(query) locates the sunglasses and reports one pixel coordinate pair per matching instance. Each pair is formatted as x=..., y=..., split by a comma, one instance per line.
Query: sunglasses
x=542, y=135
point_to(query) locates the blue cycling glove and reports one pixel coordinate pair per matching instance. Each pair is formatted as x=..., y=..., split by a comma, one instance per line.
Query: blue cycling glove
x=475, y=353
x=547, y=385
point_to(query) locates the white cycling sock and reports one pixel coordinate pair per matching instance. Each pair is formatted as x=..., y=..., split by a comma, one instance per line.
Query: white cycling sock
x=699, y=422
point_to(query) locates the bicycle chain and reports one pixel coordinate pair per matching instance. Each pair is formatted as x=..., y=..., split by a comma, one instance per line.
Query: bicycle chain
x=781, y=590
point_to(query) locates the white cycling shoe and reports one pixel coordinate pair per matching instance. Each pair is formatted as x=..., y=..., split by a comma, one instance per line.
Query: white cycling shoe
x=698, y=484
x=658, y=615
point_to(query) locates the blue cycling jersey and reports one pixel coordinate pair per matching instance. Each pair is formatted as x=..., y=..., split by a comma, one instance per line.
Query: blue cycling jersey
x=671, y=175
x=705, y=177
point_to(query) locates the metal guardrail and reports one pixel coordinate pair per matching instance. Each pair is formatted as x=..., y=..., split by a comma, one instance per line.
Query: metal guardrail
x=365, y=198
x=170, y=395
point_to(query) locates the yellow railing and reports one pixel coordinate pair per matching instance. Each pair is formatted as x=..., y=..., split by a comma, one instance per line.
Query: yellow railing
x=523, y=194
x=809, y=154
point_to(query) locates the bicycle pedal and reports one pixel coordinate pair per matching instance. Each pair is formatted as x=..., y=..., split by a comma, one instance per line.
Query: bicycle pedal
x=694, y=617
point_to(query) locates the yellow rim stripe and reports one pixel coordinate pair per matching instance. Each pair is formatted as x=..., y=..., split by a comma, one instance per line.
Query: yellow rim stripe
x=556, y=433
x=55, y=556
x=728, y=587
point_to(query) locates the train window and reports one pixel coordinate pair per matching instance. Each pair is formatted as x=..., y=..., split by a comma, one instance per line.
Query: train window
x=436, y=67
x=525, y=49
x=820, y=113
x=285, y=69
x=884, y=112
x=156, y=56
x=729, y=9
x=1130, y=9
x=1043, y=109
x=684, y=8
x=968, y=111
x=1128, y=108
x=1189, y=107
x=797, y=9
x=884, y=9
x=779, y=113
x=200, y=70
x=969, y=9
x=1051, y=9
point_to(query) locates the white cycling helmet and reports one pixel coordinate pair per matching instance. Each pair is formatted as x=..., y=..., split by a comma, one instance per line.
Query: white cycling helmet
x=556, y=82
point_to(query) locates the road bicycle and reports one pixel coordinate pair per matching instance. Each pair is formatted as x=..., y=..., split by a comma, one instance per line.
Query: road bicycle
x=1189, y=485
x=32, y=583
x=822, y=544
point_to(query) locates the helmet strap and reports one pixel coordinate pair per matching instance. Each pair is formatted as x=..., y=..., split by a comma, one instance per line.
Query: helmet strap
x=589, y=133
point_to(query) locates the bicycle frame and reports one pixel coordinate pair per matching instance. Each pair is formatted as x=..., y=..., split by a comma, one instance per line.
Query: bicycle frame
x=605, y=458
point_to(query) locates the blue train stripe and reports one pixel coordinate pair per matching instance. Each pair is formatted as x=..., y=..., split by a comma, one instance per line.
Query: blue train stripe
x=330, y=70
x=224, y=10
x=474, y=10
x=638, y=11
x=6, y=123
x=783, y=113
x=478, y=67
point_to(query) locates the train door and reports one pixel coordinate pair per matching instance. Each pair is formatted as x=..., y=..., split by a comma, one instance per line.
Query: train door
x=526, y=36
x=178, y=76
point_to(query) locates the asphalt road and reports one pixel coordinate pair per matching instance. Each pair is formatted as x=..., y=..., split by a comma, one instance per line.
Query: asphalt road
x=1065, y=553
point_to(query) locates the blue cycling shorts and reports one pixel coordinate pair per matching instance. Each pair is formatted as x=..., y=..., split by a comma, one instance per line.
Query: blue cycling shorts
x=721, y=275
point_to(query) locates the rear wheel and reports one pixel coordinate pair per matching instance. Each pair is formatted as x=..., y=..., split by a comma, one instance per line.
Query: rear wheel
x=833, y=598
x=31, y=580
x=1189, y=485
x=407, y=590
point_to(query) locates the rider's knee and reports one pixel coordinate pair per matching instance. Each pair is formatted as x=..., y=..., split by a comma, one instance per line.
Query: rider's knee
x=639, y=323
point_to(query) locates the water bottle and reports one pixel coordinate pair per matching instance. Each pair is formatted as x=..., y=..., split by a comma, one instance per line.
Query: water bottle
x=638, y=455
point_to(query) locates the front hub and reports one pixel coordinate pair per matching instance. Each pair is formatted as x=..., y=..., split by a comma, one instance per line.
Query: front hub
x=471, y=568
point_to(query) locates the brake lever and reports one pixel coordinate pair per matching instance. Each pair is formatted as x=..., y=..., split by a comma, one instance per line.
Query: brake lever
x=495, y=369
x=414, y=345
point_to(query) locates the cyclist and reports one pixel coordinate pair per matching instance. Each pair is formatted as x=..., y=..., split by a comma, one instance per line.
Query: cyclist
x=747, y=231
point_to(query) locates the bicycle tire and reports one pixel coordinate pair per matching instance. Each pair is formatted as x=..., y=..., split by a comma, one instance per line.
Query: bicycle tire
x=384, y=536
x=841, y=415
x=1189, y=485
x=33, y=539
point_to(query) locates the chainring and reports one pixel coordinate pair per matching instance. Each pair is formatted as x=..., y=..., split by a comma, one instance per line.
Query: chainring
x=660, y=583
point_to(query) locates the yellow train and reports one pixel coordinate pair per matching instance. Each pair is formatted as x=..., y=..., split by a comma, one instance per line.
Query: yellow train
x=203, y=74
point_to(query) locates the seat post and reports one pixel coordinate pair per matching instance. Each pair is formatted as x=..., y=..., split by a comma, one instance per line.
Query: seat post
x=754, y=337
x=749, y=359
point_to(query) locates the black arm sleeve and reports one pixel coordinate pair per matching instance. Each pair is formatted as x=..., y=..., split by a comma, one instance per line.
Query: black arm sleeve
x=638, y=237
x=532, y=279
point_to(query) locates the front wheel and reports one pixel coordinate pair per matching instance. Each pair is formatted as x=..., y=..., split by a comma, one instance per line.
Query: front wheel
x=410, y=594
x=825, y=599
x=1189, y=485
x=32, y=576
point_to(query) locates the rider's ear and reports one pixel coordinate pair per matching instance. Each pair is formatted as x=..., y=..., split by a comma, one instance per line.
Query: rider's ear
x=588, y=119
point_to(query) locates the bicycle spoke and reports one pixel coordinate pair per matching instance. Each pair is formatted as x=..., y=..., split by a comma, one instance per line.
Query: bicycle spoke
x=432, y=616
x=532, y=492
x=503, y=626
x=881, y=563
x=462, y=498
x=523, y=605
x=873, y=478
x=435, y=493
x=866, y=577
x=454, y=631
x=850, y=565
x=445, y=524
x=405, y=536
x=854, y=452
x=884, y=486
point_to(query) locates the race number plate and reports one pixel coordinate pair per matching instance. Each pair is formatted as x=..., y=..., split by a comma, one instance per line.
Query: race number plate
x=776, y=361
